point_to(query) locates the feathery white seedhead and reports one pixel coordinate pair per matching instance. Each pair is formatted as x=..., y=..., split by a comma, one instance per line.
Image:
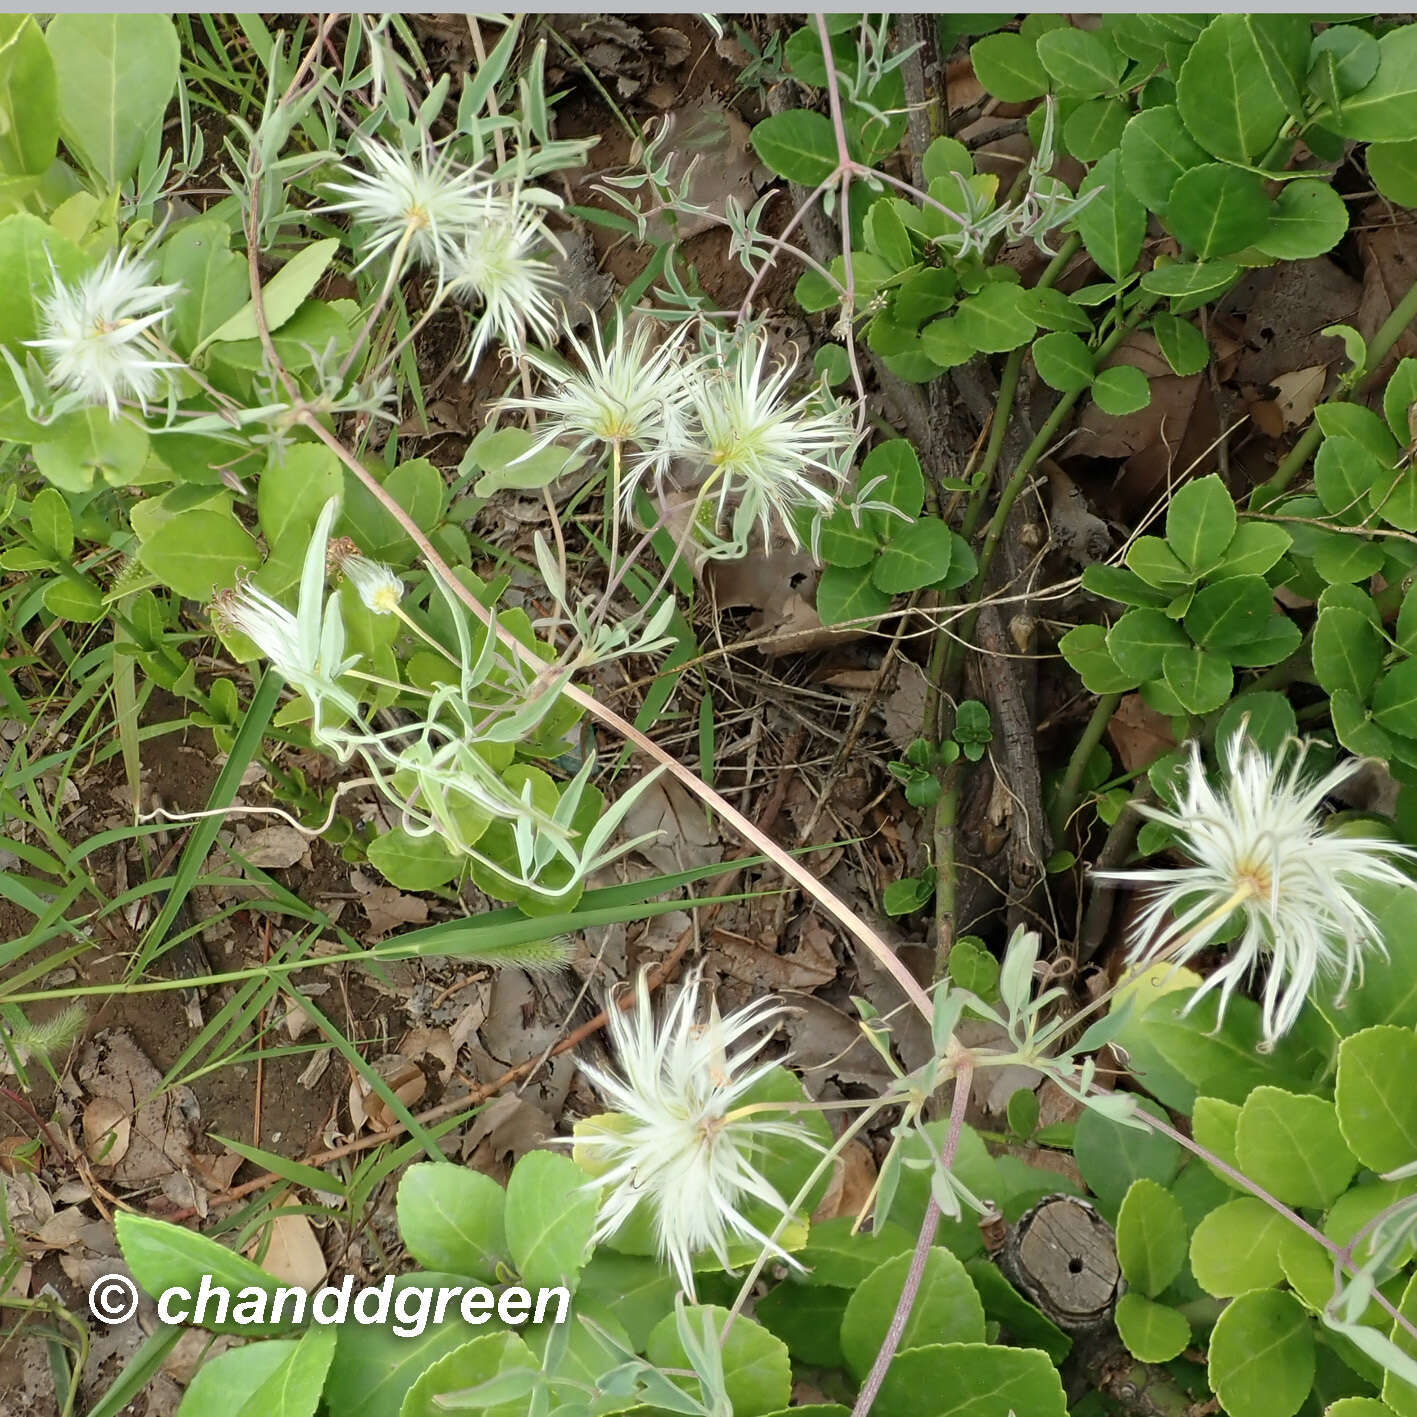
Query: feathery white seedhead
x=425, y=195
x=626, y=393
x=500, y=267
x=375, y=583
x=97, y=333
x=306, y=648
x=677, y=1142
x=1258, y=846
x=766, y=454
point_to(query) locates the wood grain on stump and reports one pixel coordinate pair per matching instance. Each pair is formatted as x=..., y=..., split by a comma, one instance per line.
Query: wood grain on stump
x=1065, y=1258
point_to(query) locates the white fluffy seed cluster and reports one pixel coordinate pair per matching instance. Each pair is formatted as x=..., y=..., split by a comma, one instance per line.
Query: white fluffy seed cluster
x=723, y=408
x=487, y=242
x=680, y=1140
x=1258, y=846
x=99, y=333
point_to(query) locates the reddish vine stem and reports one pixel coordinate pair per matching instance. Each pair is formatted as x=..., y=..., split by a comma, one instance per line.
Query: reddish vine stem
x=964, y=1076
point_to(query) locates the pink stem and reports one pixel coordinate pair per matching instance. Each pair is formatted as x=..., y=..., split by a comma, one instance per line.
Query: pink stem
x=926, y=1239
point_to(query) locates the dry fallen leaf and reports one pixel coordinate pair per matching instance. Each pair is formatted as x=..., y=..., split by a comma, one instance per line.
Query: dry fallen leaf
x=18, y=1154
x=852, y=1179
x=1389, y=265
x=107, y=1127
x=685, y=837
x=388, y=908
x=273, y=848
x=1298, y=392
x=502, y=1133
x=163, y=1121
x=294, y=1253
x=405, y=1080
x=435, y=1043
x=1139, y=734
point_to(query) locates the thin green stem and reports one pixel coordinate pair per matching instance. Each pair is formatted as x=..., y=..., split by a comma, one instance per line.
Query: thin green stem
x=943, y=840
x=1379, y=347
x=1068, y=790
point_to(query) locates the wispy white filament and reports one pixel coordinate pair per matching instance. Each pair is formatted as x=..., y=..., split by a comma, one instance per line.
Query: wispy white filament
x=423, y=199
x=1258, y=846
x=97, y=333
x=679, y=1143
x=499, y=266
x=765, y=453
x=623, y=394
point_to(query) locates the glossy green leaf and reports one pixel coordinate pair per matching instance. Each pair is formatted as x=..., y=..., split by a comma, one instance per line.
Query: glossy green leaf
x=1236, y=1247
x=199, y=551
x=1291, y=1145
x=1230, y=613
x=807, y=1318
x=1347, y=651
x=1384, y=110
x=374, y=1368
x=215, y=281
x=1265, y=717
x=1201, y=681
x=1191, y=282
x=162, y=1256
x=799, y=145
x=1217, y=209
x=1112, y=1155
x=29, y=99
x=1151, y=1237
x=549, y=1217
x=1121, y=390
x=1393, y=168
x=116, y=75
x=1182, y=344
x=451, y=1219
x=1009, y=67
x=413, y=863
x=1156, y=151
x=847, y=593
x=1239, y=83
x=894, y=469
x=1377, y=1106
x=1213, y=1125
x=281, y=296
x=1395, y=699
x=1153, y=1333
x=971, y=1380
x=1201, y=521
x=278, y=1378
x=1253, y=550
x=1063, y=362
x=1399, y=397
x=470, y=1366
x=87, y=445
x=995, y=320
x=1113, y=224
x=1094, y=128
x=1261, y=1359
x=1140, y=638
x=1085, y=648
x=1306, y=220
x=947, y=1309
x=916, y=556
x=1081, y=61
x=1154, y=562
